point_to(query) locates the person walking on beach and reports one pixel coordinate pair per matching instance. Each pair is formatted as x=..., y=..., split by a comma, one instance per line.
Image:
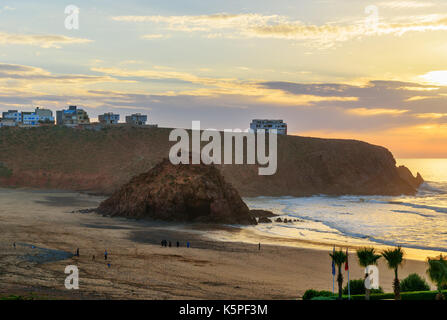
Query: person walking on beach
x=77, y=252
x=259, y=247
x=178, y=244
x=187, y=244
x=105, y=254
x=14, y=245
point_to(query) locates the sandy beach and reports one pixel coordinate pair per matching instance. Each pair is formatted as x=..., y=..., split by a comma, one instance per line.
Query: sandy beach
x=47, y=234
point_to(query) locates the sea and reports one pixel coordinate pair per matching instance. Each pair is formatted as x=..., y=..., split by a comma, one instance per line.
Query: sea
x=414, y=222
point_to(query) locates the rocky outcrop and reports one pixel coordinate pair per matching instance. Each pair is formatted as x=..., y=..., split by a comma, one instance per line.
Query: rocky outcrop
x=258, y=213
x=407, y=176
x=187, y=193
x=264, y=220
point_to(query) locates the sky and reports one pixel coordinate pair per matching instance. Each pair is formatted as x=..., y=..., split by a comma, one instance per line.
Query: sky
x=352, y=69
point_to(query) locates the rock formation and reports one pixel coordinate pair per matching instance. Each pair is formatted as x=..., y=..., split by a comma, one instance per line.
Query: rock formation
x=191, y=193
x=102, y=161
x=258, y=213
x=264, y=220
x=407, y=176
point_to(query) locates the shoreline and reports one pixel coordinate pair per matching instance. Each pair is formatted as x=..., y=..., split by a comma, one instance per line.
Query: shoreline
x=140, y=268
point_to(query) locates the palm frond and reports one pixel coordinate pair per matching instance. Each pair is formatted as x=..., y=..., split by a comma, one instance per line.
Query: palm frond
x=393, y=257
x=367, y=256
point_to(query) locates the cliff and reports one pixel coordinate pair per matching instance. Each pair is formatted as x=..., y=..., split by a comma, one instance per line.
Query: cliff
x=101, y=161
x=193, y=193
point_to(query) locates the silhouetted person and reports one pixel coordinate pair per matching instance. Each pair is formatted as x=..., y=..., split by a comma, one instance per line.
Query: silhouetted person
x=170, y=244
x=105, y=255
x=259, y=247
x=14, y=245
x=178, y=244
x=77, y=252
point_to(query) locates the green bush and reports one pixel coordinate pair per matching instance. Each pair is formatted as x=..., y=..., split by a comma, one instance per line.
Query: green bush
x=414, y=282
x=4, y=171
x=311, y=294
x=358, y=287
x=416, y=295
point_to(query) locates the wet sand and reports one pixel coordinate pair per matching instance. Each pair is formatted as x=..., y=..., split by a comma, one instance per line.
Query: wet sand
x=139, y=267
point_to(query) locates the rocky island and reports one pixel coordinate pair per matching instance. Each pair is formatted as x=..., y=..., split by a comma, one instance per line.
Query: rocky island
x=185, y=193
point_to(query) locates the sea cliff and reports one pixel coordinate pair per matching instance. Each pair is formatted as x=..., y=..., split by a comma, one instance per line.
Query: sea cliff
x=101, y=161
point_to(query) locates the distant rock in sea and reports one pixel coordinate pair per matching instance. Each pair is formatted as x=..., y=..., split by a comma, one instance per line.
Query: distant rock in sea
x=264, y=220
x=406, y=175
x=258, y=213
x=187, y=193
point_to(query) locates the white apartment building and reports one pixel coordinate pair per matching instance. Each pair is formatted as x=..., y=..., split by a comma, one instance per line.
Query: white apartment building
x=267, y=125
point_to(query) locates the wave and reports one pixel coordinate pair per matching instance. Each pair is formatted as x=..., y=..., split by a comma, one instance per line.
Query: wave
x=414, y=212
x=420, y=206
x=432, y=187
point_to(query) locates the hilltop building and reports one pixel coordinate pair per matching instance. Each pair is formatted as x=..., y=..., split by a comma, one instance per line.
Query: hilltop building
x=136, y=119
x=45, y=115
x=267, y=125
x=14, y=115
x=109, y=118
x=5, y=122
x=29, y=119
x=38, y=117
x=72, y=117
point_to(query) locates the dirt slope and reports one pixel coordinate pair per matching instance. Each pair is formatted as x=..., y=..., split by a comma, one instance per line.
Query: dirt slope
x=102, y=161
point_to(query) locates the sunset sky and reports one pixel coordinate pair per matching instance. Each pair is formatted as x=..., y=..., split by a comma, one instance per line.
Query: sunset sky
x=374, y=71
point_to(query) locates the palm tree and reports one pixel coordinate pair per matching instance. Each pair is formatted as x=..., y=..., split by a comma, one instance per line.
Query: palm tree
x=339, y=257
x=437, y=272
x=394, y=258
x=367, y=257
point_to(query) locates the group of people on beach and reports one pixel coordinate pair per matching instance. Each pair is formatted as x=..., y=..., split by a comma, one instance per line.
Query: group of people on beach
x=168, y=243
x=106, y=254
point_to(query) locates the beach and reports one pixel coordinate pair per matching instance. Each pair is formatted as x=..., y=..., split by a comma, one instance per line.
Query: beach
x=47, y=230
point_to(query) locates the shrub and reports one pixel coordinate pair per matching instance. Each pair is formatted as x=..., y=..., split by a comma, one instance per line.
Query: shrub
x=358, y=287
x=414, y=282
x=4, y=171
x=415, y=296
x=311, y=293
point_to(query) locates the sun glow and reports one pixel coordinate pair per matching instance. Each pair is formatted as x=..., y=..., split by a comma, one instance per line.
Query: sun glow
x=436, y=77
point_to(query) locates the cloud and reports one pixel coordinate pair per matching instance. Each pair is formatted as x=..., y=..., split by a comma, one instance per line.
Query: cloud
x=406, y=4
x=438, y=77
x=204, y=22
x=375, y=111
x=43, y=41
x=214, y=87
x=253, y=25
x=6, y=8
x=155, y=36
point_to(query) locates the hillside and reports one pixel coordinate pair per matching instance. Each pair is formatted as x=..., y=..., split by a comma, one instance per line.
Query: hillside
x=101, y=161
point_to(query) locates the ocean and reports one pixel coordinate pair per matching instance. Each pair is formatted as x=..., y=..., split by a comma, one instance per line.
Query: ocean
x=418, y=222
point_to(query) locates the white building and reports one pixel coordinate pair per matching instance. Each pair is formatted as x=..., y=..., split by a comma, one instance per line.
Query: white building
x=137, y=119
x=45, y=115
x=13, y=114
x=267, y=125
x=29, y=118
x=7, y=123
x=109, y=118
